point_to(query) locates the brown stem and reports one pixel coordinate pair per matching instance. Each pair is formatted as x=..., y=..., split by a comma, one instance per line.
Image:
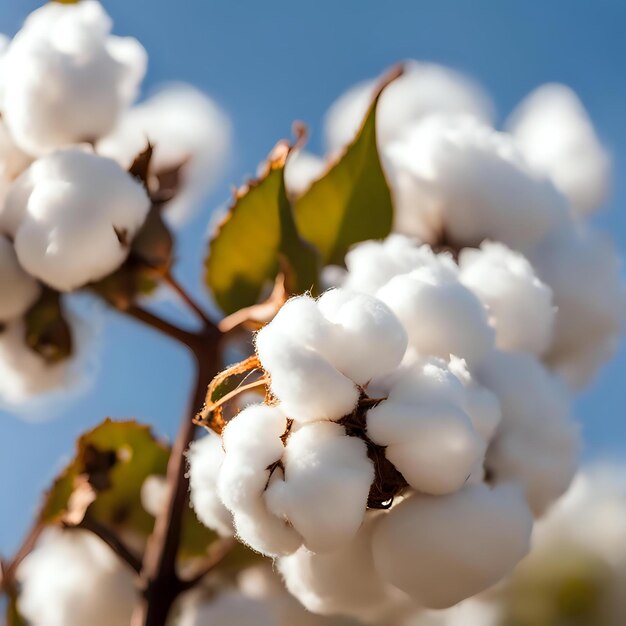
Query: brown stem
x=112, y=540
x=9, y=571
x=218, y=551
x=182, y=293
x=160, y=578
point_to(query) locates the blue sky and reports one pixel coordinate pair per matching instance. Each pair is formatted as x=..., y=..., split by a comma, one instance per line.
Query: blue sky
x=269, y=63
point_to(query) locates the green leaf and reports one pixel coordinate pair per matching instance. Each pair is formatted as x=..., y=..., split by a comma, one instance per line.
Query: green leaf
x=258, y=238
x=47, y=331
x=352, y=201
x=13, y=615
x=113, y=460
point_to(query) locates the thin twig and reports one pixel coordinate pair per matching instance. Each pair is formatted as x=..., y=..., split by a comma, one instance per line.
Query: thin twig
x=163, y=326
x=171, y=282
x=218, y=551
x=112, y=540
x=9, y=571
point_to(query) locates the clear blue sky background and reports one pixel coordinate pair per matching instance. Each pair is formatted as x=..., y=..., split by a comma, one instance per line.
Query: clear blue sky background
x=268, y=63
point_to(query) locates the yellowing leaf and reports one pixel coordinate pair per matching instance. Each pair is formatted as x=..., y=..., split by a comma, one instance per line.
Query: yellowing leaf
x=352, y=201
x=258, y=238
x=114, y=459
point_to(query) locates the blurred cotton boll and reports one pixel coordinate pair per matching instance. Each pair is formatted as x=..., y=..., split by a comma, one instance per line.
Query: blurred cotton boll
x=73, y=215
x=583, y=270
x=537, y=443
x=519, y=304
x=72, y=579
x=556, y=135
x=13, y=160
x=192, y=140
x=441, y=550
x=65, y=79
x=302, y=169
x=205, y=458
x=228, y=608
x=456, y=181
x=18, y=290
x=425, y=88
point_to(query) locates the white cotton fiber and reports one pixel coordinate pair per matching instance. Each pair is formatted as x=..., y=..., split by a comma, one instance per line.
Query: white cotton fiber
x=65, y=78
x=75, y=215
x=442, y=317
x=441, y=550
x=72, y=578
x=18, y=290
x=583, y=270
x=556, y=135
x=326, y=484
x=537, y=443
x=425, y=430
x=460, y=182
x=205, y=457
x=425, y=88
x=341, y=582
x=520, y=305
x=187, y=130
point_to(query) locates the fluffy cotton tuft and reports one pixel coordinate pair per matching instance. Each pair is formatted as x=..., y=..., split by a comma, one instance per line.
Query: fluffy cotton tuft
x=426, y=432
x=341, y=582
x=458, y=182
x=205, y=457
x=188, y=132
x=73, y=214
x=520, y=306
x=583, y=271
x=441, y=550
x=252, y=444
x=317, y=352
x=425, y=88
x=18, y=290
x=442, y=316
x=327, y=478
x=71, y=579
x=537, y=443
x=556, y=135
x=65, y=79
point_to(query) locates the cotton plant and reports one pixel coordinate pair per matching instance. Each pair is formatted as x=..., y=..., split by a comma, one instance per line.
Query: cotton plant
x=381, y=411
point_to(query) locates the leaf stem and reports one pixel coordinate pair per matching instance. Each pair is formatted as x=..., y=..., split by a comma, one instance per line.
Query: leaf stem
x=183, y=294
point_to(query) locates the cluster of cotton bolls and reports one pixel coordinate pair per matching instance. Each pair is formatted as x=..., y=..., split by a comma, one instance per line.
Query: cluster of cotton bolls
x=419, y=415
x=69, y=131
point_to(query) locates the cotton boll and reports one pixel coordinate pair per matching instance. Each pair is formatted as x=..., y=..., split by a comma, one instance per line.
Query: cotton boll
x=302, y=169
x=252, y=442
x=372, y=264
x=187, y=130
x=292, y=348
x=327, y=478
x=227, y=608
x=19, y=291
x=153, y=494
x=371, y=341
x=537, y=443
x=426, y=433
x=556, y=135
x=74, y=214
x=66, y=79
x=481, y=404
x=441, y=550
x=342, y=582
x=582, y=269
x=458, y=182
x=13, y=160
x=71, y=579
x=520, y=306
x=308, y=387
x=29, y=385
x=205, y=457
x=425, y=88
x=441, y=316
